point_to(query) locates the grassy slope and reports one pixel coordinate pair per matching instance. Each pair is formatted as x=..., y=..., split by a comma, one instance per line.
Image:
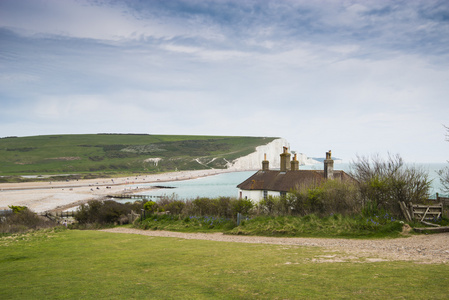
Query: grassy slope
x=91, y=264
x=119, y=152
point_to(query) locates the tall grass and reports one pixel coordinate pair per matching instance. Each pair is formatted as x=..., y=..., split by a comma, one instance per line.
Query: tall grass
x=314, y=226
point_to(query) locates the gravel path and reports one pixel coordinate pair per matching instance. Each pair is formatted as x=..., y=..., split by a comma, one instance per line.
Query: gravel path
x=420, y=248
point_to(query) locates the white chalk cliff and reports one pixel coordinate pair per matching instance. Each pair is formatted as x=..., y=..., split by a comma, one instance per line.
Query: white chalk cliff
x=253, y=161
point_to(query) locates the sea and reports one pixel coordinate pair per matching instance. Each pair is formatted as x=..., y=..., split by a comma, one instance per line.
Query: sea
x=225, y=184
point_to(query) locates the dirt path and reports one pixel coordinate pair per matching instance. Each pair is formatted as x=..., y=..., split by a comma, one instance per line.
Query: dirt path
x=420, y=248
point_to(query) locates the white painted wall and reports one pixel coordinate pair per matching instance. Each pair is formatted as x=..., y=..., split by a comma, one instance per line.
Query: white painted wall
x=256, y=195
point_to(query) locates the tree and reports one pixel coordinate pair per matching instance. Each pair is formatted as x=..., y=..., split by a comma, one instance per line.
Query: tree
x=444, y=173
x=385, y=182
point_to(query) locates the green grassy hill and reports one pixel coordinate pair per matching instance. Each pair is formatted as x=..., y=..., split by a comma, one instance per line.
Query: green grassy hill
x=120, y=153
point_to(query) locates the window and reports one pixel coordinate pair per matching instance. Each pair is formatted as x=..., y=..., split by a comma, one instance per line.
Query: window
x=265, y=195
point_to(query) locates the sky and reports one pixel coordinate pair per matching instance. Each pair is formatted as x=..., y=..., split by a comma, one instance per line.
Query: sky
x=356, y=77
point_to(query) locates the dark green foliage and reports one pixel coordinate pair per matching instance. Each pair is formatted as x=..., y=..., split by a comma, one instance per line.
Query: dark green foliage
x=174, y=207
x=331, y=197
x=221, y=207
x=205, y=206
x=106, y=212
x=242, y=206
x=23, y=220
x=277, y=216
x=187, y=224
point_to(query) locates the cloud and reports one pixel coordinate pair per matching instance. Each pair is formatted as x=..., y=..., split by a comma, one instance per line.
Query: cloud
x=356, y=76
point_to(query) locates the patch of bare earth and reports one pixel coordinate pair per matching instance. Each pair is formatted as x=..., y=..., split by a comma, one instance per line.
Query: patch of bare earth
x=418, y=248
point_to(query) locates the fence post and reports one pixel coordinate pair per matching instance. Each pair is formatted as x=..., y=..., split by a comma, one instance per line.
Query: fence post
x=239, y=217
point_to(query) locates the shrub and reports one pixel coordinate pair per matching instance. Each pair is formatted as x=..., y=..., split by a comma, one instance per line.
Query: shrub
x=175, y=207
x=274, y=206
x=225, y=207
x=332, y=196
x=384, y=183
x=340, y=198
x=150, y=206
x=22, y=221
x=444, y=179
x=17, y=209
x=242, y=206
x=106, y=212
x=205, y=206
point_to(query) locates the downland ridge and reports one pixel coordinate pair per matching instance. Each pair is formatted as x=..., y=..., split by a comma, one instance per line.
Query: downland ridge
x=121, y=153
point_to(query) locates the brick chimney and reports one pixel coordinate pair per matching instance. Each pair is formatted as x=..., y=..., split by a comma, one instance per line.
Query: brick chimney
x=294, y=163
x=329, y=166
x=265, y=163
x=285, y=159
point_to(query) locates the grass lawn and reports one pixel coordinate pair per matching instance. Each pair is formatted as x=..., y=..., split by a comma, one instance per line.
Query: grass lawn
x=73, y=264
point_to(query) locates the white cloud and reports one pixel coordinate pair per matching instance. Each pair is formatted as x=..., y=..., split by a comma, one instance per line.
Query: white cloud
x=354, y=77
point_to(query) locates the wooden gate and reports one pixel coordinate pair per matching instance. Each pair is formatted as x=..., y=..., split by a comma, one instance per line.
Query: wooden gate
x=420, y=212
x=426, y=212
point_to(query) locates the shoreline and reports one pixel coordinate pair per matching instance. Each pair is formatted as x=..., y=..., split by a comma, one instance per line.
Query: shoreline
x=56, y=195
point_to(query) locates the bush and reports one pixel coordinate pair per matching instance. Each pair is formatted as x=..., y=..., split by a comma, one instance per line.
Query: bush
x=205, y=207
x=186, y=224
x=224, y=207
x=332, y=196
x=444, y=179
x=17, y=209
x=106, y=212
x=150, y=206
x=23, y=220
x=313, y=226
x=242, y=206
x=384, y=183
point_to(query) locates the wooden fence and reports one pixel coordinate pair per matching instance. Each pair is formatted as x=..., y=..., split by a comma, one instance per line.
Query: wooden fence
x=133, y=196
x=441, y=199
x=5, y=212
x=60, y=214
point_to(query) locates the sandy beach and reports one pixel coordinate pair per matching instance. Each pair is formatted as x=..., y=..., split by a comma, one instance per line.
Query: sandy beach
x=60, y=195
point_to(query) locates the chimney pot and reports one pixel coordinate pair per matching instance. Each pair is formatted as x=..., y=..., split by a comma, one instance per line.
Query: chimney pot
x=294, y=163
x=329, y=166
x=265, y=163
x=285, y=159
